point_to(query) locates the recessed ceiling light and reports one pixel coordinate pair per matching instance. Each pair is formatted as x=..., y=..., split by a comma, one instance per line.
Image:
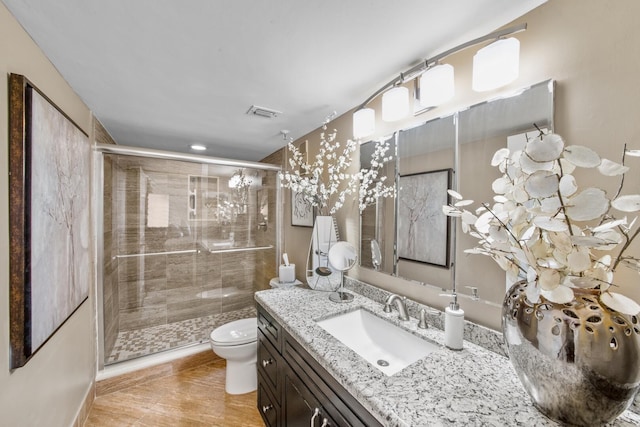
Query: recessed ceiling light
x=197, y=147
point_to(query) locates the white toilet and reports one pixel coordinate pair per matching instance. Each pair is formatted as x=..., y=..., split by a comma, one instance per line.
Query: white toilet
x=237, y=342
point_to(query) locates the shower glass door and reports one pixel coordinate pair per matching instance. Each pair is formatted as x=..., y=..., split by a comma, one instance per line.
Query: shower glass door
x=184, y=246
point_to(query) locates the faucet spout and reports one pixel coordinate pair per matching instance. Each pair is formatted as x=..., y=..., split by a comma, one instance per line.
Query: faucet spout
x=400, y=303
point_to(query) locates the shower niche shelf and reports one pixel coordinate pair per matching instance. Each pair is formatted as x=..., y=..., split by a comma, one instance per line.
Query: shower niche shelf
x=204, y=198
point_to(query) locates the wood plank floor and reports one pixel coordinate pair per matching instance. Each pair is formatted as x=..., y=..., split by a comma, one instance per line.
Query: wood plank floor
x=192, y=395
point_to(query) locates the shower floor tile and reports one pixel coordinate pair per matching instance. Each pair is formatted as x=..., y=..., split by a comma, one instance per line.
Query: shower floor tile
x=154, y=339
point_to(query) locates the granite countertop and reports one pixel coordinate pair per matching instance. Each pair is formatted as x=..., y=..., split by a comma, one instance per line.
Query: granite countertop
x=473, y=386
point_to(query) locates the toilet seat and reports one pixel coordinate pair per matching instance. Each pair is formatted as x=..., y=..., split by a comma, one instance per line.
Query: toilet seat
x=238, y=332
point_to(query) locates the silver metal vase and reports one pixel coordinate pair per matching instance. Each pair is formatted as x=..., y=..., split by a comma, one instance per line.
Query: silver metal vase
x=579, y=362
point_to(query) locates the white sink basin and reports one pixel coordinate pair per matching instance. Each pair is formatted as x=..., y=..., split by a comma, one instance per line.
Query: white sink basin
x=378, y=341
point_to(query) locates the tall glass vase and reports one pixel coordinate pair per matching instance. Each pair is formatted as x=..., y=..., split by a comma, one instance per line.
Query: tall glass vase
x=320, y=275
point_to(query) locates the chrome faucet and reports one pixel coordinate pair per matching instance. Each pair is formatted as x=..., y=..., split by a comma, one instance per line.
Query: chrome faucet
x=400, y=304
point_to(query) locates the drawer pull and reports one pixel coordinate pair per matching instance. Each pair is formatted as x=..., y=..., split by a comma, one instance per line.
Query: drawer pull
x=265, y=323
x=266, y=408
x=325, y=423
x=266, y=362
x=315, y=415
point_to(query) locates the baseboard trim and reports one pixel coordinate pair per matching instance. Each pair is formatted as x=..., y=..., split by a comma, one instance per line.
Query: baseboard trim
x=83, y=413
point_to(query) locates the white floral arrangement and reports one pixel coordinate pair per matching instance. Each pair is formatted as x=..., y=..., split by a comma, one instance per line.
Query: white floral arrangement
x=540, y=228
x=372, y=184
x=332, y=164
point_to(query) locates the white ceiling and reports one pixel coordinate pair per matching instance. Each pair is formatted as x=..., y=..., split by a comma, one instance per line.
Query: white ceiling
x=167, y=73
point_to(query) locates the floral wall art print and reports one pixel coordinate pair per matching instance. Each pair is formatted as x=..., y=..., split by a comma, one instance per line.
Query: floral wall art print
x=423, y=230
x=49, y=219
x=301, y=210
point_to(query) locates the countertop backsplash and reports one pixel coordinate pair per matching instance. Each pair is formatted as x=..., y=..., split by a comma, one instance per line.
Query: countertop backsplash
x=477, y=334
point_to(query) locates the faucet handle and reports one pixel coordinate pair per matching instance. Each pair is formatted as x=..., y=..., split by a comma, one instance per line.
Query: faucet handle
x=474, y=292
x=387, y=308
x=422, y=324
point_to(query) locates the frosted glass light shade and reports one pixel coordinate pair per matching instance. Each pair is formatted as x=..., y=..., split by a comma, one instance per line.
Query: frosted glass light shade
x=496, y=65
x=395, y=104
x=436, y=85
x=364, y=122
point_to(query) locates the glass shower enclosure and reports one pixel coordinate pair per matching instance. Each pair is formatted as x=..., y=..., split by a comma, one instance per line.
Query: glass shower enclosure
x=185, y=242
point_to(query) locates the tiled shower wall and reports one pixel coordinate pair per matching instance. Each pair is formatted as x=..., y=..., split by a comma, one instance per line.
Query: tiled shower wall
x=169, y=288
x=161, y=275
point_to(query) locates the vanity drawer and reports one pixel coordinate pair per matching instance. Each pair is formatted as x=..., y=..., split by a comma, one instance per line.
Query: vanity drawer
x=268, y=406
x=270, y=328
x=269, y=364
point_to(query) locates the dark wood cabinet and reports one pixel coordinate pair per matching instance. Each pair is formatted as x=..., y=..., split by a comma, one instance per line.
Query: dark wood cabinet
x=294, y=390
x=268, y=405
x=301, y=407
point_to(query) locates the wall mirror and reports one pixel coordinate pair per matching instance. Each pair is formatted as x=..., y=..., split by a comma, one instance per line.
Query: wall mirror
x=424, y=173
x=394, y=230
x=377, y=221
x=425, y=157
x=482, y=130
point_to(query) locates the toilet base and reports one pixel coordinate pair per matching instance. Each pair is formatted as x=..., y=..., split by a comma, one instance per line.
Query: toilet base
x=242, y=373
x=241, y=377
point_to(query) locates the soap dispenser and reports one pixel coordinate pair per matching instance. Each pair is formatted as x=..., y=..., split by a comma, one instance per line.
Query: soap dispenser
x=453, y=325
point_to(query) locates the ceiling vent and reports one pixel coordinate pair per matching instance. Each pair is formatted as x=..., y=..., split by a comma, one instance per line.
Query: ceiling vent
x=263, y=112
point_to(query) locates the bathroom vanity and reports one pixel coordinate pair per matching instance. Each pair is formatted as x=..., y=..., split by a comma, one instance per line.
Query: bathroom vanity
x=308, y=377
x=293, y=389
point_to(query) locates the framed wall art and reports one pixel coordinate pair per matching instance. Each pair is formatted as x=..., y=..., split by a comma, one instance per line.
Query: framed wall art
x=301, y=210
x=423, y=229
x=49, y=226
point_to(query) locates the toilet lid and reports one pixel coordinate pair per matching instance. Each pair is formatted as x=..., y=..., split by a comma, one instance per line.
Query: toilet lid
x=237, y=332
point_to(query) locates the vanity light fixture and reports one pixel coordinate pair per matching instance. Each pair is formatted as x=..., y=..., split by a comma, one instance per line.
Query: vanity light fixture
x=395, y=104
x=436, y=85
x=496, y=65
x=362, y=122
x=198, y=147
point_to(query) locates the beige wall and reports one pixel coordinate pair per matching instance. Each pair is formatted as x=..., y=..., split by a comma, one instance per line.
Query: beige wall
x=589, y=48
x=50, y=388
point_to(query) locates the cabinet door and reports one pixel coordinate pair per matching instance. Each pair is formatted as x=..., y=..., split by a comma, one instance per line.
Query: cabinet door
x=301, y=407
x=267, y=405
x=269, y=364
